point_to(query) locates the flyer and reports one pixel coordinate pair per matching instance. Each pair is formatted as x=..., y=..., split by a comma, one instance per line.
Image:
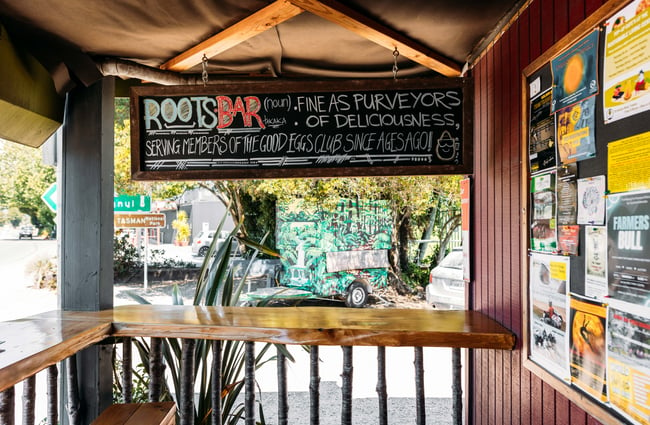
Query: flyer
x=628, y=363
x=591, y=200
x=567, y=194
x=568, y=239
x=628, y=163
x=543, y=223
x=588, y=351
x=628, y=263
x=549, y=280
x=576, y=131
x=626, y=84
x=541, y=146
x=596, y=262
x=575, y=73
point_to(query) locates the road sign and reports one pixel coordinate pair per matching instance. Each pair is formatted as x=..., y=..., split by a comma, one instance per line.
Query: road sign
x=50, y=197
x=139, y=220
x=132, y=203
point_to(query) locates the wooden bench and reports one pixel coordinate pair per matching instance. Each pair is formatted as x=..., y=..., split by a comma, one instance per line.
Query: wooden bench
x=163, y=413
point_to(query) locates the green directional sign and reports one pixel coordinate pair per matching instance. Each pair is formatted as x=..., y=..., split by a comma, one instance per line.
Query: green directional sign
x=49, y=197
x=128, y=203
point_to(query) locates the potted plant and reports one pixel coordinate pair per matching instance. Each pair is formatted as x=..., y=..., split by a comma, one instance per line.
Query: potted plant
x=182, y=228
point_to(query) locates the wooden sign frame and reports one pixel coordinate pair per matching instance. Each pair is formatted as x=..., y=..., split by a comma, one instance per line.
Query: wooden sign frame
x=246, y=103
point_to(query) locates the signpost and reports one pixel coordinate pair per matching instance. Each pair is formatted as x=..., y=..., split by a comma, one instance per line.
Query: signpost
x=50, y=197
x=124, y=203
x=140, y=220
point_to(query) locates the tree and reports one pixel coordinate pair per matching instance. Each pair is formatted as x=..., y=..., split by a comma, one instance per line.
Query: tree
x=24, y=178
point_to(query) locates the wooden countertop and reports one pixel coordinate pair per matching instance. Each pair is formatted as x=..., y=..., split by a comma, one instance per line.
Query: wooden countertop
x=32, y=344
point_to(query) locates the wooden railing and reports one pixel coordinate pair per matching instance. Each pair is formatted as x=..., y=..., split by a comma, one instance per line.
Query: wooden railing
x=37, y=343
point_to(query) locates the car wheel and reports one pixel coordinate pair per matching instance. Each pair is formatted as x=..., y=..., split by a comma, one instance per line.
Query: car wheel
x=357, y=295
x=203, y=251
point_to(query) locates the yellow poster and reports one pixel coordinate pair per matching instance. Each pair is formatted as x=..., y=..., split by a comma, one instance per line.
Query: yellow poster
x=628, y=164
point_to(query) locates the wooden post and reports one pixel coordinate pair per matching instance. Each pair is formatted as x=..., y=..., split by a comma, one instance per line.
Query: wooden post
x=421, y=416
x=314, y=383
x=86, y=236
x=381, y=386
x=346, y=387
x=29, y=396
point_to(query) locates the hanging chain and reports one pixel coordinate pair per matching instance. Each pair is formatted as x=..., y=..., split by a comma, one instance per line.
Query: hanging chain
x=204, y=67
x=395, y=68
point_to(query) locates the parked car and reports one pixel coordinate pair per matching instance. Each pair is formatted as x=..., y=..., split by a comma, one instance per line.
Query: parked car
x=201, y=243
x=446, y=288
x=26, y=232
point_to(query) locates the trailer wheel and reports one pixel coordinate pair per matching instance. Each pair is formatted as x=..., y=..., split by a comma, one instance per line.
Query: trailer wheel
x=357, y=296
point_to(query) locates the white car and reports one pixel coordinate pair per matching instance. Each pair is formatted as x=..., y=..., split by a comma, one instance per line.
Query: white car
x=201, y=243
x=446, y=288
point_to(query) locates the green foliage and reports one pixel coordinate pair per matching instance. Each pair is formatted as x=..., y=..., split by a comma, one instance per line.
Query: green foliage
x=24, y=178
x=126, y=257
x=415, y=276
x=182, y=227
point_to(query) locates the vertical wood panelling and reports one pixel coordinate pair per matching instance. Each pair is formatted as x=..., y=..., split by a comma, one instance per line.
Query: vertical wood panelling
x=503, y=391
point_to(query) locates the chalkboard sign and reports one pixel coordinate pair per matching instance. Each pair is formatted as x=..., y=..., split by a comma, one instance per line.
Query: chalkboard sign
x=301, y=129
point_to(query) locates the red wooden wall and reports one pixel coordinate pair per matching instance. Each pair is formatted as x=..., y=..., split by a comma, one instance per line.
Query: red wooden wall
x=502, y=391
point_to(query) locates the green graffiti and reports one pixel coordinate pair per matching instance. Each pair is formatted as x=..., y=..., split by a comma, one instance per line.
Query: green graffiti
x=306, y=233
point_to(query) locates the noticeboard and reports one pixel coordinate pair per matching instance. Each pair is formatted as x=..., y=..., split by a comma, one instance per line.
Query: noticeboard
x=301, y=129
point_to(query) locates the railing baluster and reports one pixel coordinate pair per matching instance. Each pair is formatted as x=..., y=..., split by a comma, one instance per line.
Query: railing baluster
x=52, y=395
x=314, y=383
x=127, y=371
x=7, y=406
x=419, y=387
x=249, y=384
x=29, y=396
x=346, y=387
x=187, y=382
x=156, y=370
x=381, y=386
x=456, y=387
x=73, y=391
x=283, y=398
x=215, y=416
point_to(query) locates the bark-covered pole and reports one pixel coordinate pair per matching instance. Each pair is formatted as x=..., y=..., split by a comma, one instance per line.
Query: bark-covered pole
x=73, y=391
x=187, y=382
x=249, y=384
x=283, y=398
x=346, y=388
x=215, y=398
x=127, y=371
x=29, y=397
x=314, y=384
x=52, y=395
x=156, y=370
x=7, y=406
x=421, y=418
x=381, y=386
x=456, y=387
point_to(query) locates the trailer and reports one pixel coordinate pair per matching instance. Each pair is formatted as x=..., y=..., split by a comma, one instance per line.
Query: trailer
x=338, y=251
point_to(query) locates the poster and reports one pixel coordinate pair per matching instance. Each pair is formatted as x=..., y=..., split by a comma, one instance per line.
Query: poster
x=626, y=83
x=628, y=163
x=596, y=262
x=575, y=73
x=549, y=280
x=541, y=147
x=465, y=218
x=567, y=194
x=628, y=363
x=588, y=350
x=576, y=131
x=568, y=239
x=628, y=230
x=543, y=229
x=591, y=200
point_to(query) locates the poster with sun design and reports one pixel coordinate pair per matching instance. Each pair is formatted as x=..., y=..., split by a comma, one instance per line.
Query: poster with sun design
x=588, y=351
x=575, y=73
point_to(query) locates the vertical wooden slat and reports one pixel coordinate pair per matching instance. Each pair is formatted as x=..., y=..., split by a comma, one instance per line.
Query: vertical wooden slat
x=186, y=409
x=456, y=387
x=249, y=384
x=578, y=416
x=215, y=397
x=7, y=406
x=548, y=406
x=562, y=411
x=283, y=397
x=346, y=387
x=127, y=370
x=381, y=386
x=420, y=411
x=29, y=396
x=314, y=383
x=73, y=391
x=156, y=370
x=52, y=395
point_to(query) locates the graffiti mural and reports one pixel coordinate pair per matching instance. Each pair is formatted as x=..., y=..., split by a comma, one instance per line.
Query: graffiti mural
x=306, y=233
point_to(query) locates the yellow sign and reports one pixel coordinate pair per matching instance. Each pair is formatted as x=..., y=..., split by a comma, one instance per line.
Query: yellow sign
x=139, y=220
x=628, y=164
x=558, y=270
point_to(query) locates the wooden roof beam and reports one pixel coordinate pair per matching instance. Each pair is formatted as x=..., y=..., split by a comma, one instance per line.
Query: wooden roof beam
x=354, y=21
x=260, y=21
